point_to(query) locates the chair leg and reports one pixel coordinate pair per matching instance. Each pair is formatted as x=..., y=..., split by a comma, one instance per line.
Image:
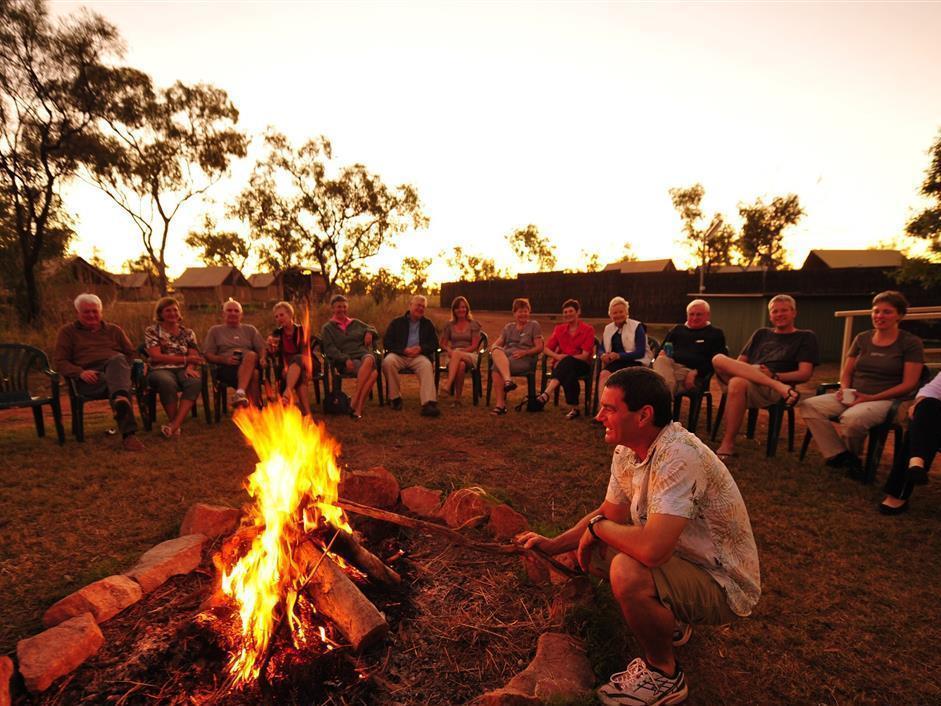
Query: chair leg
x=790, y=429
x=877, y=439
x=751, y=424
x=719, y=413
x=57, y=419
x=78, y=421
x=40, y=424
x=775, y=420
x=677, y=407
x=708, y=413
x=695, y=402
x=805, y=444
x=588, y=396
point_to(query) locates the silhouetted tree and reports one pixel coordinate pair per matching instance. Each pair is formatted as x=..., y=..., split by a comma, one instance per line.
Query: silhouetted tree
x=472, y=268
x=927, y=226
x=762, y=231
x=142, y=263
x=168, y=147
x=529, y=246
x=218, y=247
x=712, y=244
x=416, y=273
x=295, y=208
x=54, y=84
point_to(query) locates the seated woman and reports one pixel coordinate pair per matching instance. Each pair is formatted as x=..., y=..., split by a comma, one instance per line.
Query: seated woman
x=515, y=352
x=290, y=349
x=919, y=445
x=569, y=350
x=348, y=346
x=175, y=364
x=623, y=341
x=882, y=364
x=460, y=339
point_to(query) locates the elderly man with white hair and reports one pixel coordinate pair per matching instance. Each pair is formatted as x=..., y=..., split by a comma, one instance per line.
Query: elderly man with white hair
x=239, y=351
x=98, y=356
x=410, y=343
x=685, y=358
x=623, y=341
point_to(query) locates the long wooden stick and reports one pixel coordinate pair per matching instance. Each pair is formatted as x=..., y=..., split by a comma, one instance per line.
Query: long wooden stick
x=452, y=535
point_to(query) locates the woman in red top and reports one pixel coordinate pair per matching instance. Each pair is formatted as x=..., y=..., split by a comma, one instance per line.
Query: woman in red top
x=569, y=349
x=292, y=350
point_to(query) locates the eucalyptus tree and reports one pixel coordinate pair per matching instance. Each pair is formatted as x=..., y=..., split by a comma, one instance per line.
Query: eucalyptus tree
x=166, y=147
x=56, y=81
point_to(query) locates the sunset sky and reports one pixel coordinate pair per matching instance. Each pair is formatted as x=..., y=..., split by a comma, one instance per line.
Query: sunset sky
x=577, y=117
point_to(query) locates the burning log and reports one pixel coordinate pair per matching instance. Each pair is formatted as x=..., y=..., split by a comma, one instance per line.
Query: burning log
x=338, y=599
x=348, y=546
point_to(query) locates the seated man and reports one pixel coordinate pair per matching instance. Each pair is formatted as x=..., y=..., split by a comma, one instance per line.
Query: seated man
x=772, y=362
x=99, y=355
x=672, y=535
x=693, y=346
x=239, y=350
x=410, y=343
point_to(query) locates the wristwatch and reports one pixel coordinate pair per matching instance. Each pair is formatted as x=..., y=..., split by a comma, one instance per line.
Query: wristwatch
x=594, y=521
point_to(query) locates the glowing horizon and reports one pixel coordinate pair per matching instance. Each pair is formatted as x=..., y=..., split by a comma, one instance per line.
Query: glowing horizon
x=575, y=117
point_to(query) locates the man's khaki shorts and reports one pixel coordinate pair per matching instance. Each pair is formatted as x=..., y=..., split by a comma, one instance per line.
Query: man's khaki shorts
x=757, y=395
x=685, y=588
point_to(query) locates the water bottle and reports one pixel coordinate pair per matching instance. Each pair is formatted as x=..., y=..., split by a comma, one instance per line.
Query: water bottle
x=668, y=349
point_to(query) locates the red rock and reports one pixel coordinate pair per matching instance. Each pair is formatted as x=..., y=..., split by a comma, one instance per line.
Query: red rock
x=569, y=559
x=537, y=571
x=376, y=487
x=6, y=673
x=505, y=522
x=465, y=504
x=422, y=501
x=57, y=651
x=210, y=520
x=103, y=599
x=175, y=556
x=560, y=670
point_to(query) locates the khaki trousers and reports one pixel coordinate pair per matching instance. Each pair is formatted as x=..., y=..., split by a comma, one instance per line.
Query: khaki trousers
x=856, y=422
x=672, y=373
x=420, y=365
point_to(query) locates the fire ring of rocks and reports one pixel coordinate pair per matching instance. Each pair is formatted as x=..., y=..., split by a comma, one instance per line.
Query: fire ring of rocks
x=375, y=615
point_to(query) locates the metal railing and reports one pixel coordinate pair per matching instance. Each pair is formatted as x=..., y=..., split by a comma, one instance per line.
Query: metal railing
x=914, y=312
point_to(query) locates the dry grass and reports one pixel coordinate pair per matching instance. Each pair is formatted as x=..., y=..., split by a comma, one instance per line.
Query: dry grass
x=848, y=612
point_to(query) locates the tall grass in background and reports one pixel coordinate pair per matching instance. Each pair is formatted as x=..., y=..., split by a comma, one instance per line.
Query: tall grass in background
x=134, y=317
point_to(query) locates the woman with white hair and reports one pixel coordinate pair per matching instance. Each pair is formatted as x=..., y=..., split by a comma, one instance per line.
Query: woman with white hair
x=623, y=341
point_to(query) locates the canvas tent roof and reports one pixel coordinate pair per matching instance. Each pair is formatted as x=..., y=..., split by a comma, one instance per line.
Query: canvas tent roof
x=261, y=279
x=134, y=279
x=637, y=266
x=857, y=258
x=209, y=277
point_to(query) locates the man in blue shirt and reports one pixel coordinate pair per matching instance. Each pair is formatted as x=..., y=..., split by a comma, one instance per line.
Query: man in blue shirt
x=410, y=343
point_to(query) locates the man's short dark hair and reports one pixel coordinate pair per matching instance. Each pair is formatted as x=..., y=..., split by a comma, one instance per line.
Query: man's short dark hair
x=642, y=386
x=571, y=303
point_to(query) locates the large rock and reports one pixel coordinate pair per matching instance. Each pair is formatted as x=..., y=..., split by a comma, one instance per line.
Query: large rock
x=559, y=671
x=505, y=522
x=103, y=599
x=465, y=504
x=376, y=487
x=424, y=502
x=210, y=520
x=55, y=652
x=6, y=673
x=175, y=556
x=540, y=573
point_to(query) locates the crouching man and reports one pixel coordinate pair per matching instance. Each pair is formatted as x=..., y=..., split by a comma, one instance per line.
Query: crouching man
x=672, y=536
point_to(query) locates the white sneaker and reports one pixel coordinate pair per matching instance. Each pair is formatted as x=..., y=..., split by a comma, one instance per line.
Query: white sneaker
x=641, y=685
x=240, y=399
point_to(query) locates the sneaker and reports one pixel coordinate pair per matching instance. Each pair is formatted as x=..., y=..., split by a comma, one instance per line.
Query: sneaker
x=430, y=409
x=642, y=684
x=681, y=633
x=396, y=404
x=240, y=399
x=132, y=443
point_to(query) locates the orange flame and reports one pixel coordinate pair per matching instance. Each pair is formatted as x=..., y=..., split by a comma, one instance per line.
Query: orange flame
x=295, y=487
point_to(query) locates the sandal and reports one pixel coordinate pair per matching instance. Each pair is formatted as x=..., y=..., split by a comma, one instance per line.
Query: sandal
x=355, y=417
x=726, y=456
x=792, y=397
x=167, y=431
x=509, y=386
x=542, y=398
x=573, y=413
x=498, y=411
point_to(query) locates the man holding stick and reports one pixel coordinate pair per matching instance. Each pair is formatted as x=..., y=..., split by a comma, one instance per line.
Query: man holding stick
x=672, y=536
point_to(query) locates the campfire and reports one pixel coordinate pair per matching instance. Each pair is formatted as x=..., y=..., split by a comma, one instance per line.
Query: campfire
x=296, y=556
